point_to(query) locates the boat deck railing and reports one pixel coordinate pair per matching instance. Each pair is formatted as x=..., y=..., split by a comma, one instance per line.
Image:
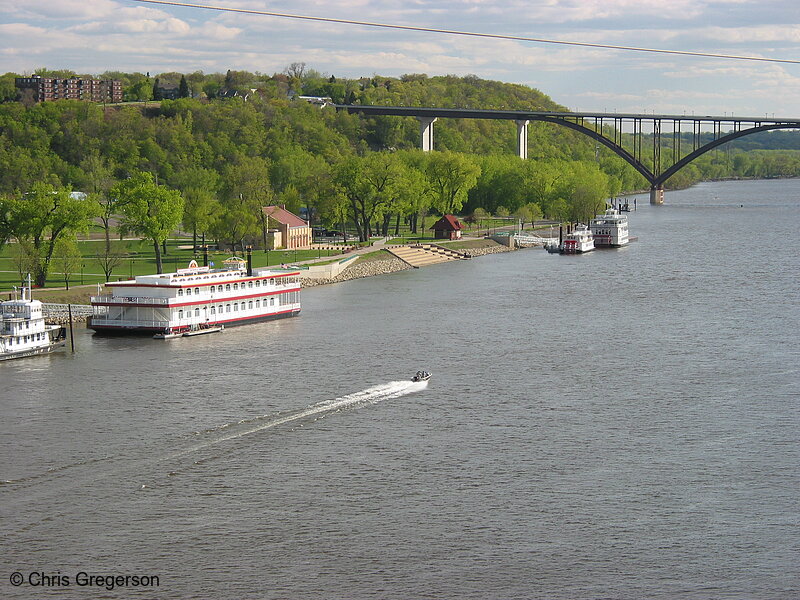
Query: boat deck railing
x=124, y=323
x=130, y=299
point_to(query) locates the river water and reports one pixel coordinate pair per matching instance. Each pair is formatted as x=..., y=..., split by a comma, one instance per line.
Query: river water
x=621, y=424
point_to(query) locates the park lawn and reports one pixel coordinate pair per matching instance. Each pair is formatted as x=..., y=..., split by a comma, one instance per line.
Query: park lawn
x=137, y=257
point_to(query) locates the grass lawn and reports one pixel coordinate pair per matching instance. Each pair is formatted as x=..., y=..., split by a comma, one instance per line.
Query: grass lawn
x=138, y=258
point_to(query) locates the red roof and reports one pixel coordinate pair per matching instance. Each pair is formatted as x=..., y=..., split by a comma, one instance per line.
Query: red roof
x=281, y=215
x=448, y=223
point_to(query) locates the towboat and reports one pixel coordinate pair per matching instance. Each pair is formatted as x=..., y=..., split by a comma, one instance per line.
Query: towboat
x=579, y=239
x=421, y=376
x=23, y=331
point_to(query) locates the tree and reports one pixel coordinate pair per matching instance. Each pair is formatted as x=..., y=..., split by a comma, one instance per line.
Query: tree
x=370, y=183
x=24, y=259
x=148, y=209
x=41, y=216
x=199, y=188
x=183, y=88
x=108, y=261
x=67, y=258
x=97, y=182
x=246, y=190
x=451, y=176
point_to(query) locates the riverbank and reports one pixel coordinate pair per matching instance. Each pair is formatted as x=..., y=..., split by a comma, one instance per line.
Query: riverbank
x=379, y=262
x=382, y=263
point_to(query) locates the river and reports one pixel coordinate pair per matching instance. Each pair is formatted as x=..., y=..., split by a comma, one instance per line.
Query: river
x=620, y=424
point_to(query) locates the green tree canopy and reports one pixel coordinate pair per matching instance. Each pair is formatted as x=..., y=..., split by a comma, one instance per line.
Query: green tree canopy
x=148, y=209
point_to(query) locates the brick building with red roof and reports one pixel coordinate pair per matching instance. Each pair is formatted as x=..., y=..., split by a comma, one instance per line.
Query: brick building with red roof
x=447, y=228
x=294, y=231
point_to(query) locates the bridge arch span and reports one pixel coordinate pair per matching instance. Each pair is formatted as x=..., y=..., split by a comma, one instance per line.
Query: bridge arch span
x=661, y=179
x=592, y=124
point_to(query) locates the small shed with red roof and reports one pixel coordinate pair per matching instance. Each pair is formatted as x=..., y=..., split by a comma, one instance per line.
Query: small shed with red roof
x=447, y=228
x=294, y=231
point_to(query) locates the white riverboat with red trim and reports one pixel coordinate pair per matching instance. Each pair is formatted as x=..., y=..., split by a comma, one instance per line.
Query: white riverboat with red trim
x=578, y=240
x=23, y=331
x=610, y=229
x=197, y=300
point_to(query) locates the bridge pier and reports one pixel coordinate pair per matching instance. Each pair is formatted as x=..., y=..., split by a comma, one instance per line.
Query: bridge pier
x=657, y=194
x=522, y=138
x=426, y=132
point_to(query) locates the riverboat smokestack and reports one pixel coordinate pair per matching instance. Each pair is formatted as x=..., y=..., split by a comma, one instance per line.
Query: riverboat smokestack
x=249, y=261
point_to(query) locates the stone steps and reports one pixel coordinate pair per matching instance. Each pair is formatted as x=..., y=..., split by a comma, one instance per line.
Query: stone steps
x=425, y=255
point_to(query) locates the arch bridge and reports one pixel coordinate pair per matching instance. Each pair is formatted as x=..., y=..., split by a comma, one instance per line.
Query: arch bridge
x=646, y=135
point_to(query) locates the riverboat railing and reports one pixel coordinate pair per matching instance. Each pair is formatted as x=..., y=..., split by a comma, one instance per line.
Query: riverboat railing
x=130, y=300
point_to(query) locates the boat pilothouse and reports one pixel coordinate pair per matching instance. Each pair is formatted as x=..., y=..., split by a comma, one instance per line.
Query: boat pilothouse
x=23, y=331
x=578, y=240
x=197, y=299
x=610, y=228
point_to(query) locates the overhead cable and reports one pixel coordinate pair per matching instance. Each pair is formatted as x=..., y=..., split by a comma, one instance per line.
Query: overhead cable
x=516, y=38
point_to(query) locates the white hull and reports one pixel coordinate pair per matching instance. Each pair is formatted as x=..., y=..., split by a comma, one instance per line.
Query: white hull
x=47, y=349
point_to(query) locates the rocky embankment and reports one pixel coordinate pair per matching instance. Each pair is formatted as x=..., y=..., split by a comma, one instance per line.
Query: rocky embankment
x=59, y=313
x=360, y=270
x=389, y=265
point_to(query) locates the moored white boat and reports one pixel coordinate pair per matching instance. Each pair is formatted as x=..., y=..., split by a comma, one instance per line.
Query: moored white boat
x=203, y=329
x=197, y=300
x=610, y=229
x=23, y=331
x=578, y=240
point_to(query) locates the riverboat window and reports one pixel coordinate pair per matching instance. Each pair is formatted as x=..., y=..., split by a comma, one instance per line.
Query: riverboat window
x=272, y=301
x=196, y=312
x=180, y=292
x=180, y=314
x=235, y=286
x=196, y=290
x=250, y=284
x=258, y=303
x=250, y=304
x=219, y=308
x=188, y=291
x=227, y=308
x=213, y=310
x=258, y=283
x=228, y=287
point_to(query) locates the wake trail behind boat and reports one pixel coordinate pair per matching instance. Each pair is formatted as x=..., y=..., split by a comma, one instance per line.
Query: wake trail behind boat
x=372, y=395
x=137, y=460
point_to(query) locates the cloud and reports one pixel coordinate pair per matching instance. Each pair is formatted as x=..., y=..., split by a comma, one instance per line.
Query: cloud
x=61, y=9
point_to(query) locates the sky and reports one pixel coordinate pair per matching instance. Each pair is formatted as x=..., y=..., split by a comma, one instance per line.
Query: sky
x=93, y=36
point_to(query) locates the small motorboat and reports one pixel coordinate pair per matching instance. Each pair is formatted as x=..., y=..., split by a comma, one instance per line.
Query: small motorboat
x=167, y=335
x=421, y=376
x=203, y=329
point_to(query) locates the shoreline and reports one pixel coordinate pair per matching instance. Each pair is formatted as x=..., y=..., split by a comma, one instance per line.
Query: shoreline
x=392, y=264
x=359, y=270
